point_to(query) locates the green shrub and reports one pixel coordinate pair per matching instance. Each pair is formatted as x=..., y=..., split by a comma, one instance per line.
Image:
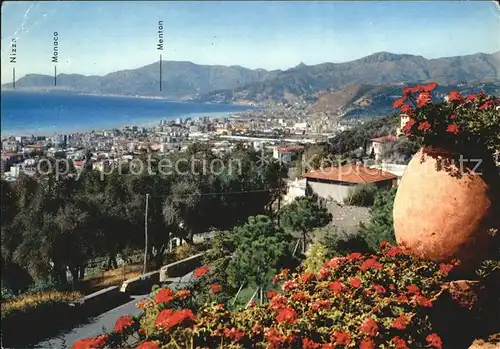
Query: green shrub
x=381, y=226
x=341, y=243
x=362, y=194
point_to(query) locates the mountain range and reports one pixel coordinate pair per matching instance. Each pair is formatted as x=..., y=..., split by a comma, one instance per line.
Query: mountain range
x=373, y=75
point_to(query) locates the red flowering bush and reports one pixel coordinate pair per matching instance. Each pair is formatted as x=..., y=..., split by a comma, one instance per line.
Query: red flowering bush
x=363, y=301
x=462, y=121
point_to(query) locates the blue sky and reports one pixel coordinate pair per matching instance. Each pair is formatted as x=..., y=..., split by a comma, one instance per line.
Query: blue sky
x=96, y=38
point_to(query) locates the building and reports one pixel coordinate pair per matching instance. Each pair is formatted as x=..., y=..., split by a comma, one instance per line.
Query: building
x=335, y=183
x=376, y=145
x=286, y=154
x=395, y=169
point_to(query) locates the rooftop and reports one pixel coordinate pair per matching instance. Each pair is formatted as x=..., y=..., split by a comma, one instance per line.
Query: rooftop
x=351, y=174
x=383, y=139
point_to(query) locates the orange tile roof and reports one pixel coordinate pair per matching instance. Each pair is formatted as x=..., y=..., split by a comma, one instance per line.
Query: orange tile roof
x=351, y=174
x=389, y=138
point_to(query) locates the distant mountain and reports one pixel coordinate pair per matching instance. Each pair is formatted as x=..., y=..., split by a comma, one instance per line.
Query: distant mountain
x=223, y=84
x=376, y=69
x=180, y=80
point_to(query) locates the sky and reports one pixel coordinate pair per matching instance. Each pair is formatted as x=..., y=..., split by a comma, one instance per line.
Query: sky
x=96, y=38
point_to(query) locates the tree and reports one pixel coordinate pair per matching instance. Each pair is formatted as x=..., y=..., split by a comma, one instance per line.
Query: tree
x=362, y=194
x=262, y=248
x=381, y=226
x=341, y=243
x=304, y=214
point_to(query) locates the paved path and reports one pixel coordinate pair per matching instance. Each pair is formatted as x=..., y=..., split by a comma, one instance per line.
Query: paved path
x=105, y=321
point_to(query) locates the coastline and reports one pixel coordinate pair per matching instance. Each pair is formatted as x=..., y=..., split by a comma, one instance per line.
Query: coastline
x=93, y=94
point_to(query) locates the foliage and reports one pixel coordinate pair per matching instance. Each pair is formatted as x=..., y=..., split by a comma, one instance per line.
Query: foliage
x=351, y=140
x=399, y=152
x=358, y=301
x=53, y=224
x=460, y=122
x=380, y=227
x=304, y=214
x=39, y=301
x=362, y=194
x=339, y=243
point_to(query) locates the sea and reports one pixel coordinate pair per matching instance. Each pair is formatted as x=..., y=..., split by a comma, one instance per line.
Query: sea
x=46, y=113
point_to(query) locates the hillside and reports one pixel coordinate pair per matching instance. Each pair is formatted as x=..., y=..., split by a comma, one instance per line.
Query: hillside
x=376, y=100
x=226, y=84
x=379, y=68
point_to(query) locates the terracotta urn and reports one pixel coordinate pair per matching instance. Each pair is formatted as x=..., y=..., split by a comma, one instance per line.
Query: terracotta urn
x=446, y=208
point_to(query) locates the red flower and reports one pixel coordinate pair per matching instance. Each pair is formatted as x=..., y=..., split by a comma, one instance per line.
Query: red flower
x=453, y=116
x=401, y=322
x=335, y=262
x=424, y=126
x=445, y=268
x=336, y=287
x=215, y=288
x=486, y=105
x=182, y=294
x=399, y=102
x=289, y=285
x=233, y=334
x=251, y=304
x=278, y=303
x=407, y=109
x=394, y=251
x=324, y=273
x=287, y=315
x=434, y=341
x=327, y=346
x=306, y=277
x=369, y=327
x=399, y=343
x=123, y=322
x=321, y=304
x=169, y=318
x=453, y=128
x=276, y=340
x=165, y=295
x=423, y=99
x=402, y=299
x=379, y=289
x=355, y=282
x=148, y=345
x=341, y=338
x=413, y=289
x=454, y=96
x=199, y=272
x=471, y=97
x=367, y=344
x=271, y=294
x=423, y=302
x=91, y=343
x=370, y=263
x=409, y=90
x=429, y=87
x=300, y=297
x=408, y=126
x=354, y=256
x=309, y=344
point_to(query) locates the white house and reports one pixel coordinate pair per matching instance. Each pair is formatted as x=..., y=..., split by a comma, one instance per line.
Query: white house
x=335, y=183
x=376, y=145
